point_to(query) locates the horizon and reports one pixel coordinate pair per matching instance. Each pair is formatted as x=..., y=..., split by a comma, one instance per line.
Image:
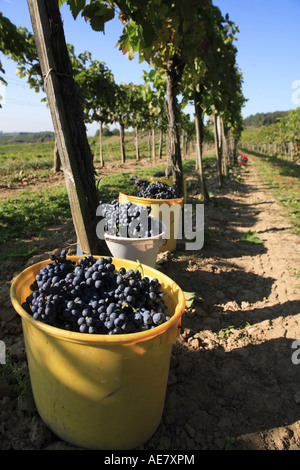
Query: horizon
x=2, y=133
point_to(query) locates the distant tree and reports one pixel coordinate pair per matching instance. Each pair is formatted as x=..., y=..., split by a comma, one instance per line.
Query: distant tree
x=264, y=119
x=139, y=112
x=98, y=89
x=157, y=105
x=106, y=132
x=122, y=112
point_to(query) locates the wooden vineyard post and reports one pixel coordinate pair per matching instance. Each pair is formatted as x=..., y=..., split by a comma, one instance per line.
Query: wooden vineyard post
x=217, y=149
x=199, y=142
x=66, y=112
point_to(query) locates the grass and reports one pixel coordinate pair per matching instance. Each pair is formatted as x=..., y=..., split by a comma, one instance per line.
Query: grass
x=31, y=212
x=282, y=178
x=28, y=214
x=25, y=157
x=111, y=147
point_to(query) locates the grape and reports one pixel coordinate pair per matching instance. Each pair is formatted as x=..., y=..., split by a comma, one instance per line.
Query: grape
x=119, y=303
x=156, y=190
x=128, y=220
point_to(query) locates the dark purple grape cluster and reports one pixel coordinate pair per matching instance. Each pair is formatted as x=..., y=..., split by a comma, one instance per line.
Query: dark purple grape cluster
x=141, y=184
x=159, y=174
x=129, y=220
x=156, y=190
x=91, y=296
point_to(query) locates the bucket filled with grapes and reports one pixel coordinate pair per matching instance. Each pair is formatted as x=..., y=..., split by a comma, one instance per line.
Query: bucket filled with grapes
x=131, y=232
x=98, y=333
x=157, y=195
x=160, y=176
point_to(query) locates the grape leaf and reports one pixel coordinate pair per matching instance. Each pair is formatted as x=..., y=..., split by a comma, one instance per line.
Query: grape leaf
x=251, y=238
x=98, y=14
x=189, y=298
x=75, y=6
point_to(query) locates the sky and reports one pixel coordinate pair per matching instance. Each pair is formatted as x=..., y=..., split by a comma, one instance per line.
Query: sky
x=268, y=56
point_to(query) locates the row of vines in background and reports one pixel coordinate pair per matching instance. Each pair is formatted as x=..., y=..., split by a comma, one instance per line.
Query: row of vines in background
x=281, y=139
x=192, y=57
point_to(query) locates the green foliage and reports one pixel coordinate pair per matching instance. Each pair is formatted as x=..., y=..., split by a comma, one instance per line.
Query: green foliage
x=25, y=156
x=264, y=119
x=30, y=137
x=98, y=12
x=97, y=86
x=276, y=129
x=192, y=33
x=75, y=6
x=12, y=375
x=251, y=237
x=15, y=42
x=155, y=89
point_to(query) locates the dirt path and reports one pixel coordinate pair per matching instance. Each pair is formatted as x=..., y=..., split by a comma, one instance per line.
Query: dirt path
x=232, y=382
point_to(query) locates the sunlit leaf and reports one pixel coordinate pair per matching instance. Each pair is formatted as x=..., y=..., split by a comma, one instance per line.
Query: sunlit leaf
x=189, y=298
x=251, y=238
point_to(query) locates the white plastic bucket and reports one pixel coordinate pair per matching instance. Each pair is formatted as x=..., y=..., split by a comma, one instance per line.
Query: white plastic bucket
x=173, y=225
x=143, y=249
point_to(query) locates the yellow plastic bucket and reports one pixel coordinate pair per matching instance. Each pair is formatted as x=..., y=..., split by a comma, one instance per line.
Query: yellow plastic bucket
x=173, y=224
x=169, y=181
x=99, y=391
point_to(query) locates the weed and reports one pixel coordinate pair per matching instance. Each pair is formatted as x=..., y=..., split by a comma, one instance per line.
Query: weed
x=225, y=332
x=228, y=442
x=295, y=272
x=11, y=374
x=189, y=298
x=251, y=237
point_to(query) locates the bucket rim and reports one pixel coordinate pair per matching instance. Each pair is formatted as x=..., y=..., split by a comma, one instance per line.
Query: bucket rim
x=73, y=336
x=178, y=200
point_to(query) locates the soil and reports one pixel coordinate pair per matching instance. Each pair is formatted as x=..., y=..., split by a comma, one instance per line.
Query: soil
x=234, y=379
